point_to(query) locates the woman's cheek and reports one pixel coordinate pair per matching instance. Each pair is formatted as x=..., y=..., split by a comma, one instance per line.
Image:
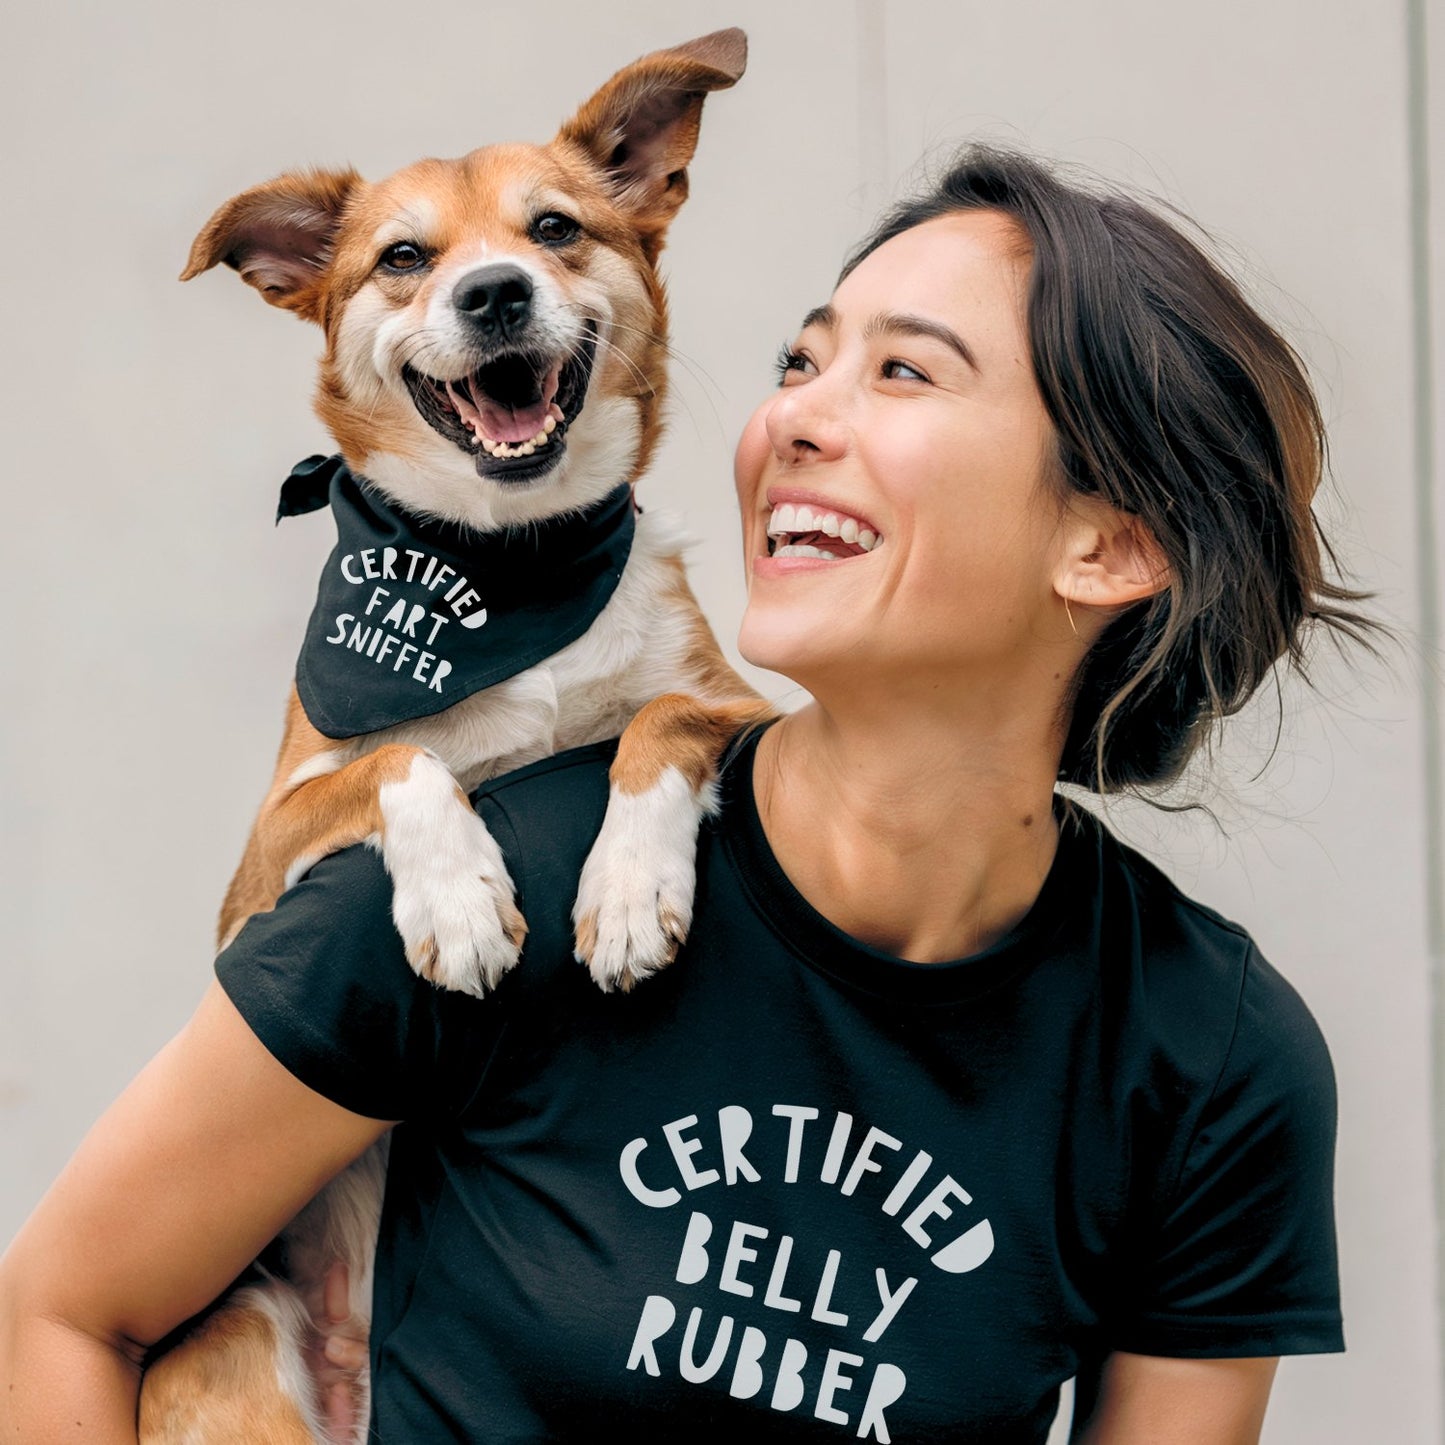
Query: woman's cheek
x=748, y=460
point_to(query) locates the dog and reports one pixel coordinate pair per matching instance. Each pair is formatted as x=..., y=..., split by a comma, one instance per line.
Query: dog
x=493, y=376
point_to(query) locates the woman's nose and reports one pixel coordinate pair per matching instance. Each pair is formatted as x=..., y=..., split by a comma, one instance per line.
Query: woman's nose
x=808, y=421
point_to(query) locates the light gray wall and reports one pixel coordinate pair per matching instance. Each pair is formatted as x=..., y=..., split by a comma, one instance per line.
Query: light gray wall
x=153, y=611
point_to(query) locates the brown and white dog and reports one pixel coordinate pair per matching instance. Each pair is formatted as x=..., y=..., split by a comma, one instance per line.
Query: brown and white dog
x=495, y=333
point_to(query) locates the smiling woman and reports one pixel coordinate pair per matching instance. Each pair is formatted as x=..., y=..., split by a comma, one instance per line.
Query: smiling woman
x=885, y=413
x=1171, y=399
x=953, y=1098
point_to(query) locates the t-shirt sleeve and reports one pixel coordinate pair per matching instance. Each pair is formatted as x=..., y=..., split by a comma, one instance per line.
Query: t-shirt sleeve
x=322, y=980
x=1243, y=1259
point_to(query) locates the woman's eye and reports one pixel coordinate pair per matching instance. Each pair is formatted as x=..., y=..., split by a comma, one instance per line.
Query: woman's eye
x=404, y=256
x=789, y=360
x=555, y=229
x=896, y=370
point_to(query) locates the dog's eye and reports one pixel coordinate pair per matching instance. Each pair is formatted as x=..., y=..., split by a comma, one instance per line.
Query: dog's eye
x=555, y=229
x=404, y=256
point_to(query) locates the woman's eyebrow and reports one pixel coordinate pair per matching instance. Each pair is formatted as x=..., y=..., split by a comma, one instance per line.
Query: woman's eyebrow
x=896, y=323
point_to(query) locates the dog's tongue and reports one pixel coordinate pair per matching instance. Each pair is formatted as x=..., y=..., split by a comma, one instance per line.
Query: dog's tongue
x=504, y=422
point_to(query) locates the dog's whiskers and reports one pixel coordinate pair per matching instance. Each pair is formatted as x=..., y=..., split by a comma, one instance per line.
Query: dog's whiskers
x=652, y=336
x=673, y=354
x=425, y=339
x=626, y=360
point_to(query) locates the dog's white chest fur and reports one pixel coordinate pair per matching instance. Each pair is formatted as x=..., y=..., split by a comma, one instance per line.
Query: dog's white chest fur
x=638, y=648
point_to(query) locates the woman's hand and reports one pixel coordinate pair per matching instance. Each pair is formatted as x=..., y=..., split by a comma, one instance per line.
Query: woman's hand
x=338, y=1356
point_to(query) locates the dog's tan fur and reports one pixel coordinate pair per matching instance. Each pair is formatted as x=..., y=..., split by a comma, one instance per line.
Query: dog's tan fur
x=317, y=818
x=221, y=1383
x=309, y=242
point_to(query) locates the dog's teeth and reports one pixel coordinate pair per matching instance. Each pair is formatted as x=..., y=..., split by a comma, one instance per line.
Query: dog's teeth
x=526, y=449
x=550, y=425
x=540, y=439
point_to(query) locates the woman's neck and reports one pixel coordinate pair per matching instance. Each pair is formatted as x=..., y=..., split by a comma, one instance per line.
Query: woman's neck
x=910, y=834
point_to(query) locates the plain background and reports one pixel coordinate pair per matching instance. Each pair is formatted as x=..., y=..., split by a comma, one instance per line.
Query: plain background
x=151, y=611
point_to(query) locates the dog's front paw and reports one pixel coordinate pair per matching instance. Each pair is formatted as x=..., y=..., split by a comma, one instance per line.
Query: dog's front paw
x=462, y=932
x=452, y=899
x=634, y=903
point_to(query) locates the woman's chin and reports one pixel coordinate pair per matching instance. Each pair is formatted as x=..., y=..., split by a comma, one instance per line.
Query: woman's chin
x=808, y=651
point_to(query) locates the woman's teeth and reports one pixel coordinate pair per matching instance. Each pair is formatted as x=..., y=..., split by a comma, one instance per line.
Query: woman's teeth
x=794, y=520
x=801, y=549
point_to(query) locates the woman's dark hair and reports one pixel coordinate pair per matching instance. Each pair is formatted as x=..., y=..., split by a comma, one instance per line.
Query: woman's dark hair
x=1175, y=401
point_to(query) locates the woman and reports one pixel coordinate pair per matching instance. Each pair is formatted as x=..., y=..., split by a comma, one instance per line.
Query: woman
x=950, y=1096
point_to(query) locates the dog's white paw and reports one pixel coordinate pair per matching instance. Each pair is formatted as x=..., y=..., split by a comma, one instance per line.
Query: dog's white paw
x=634, y=902
x=452, y=900
x=462, y=932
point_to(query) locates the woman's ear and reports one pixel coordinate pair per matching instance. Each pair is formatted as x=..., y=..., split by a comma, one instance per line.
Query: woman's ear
x=1110, y=557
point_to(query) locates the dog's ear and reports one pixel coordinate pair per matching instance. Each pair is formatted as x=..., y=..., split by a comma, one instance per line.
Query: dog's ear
x=278, y=236
x=641, y=127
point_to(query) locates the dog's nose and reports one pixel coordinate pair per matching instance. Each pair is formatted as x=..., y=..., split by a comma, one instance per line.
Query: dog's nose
x=496, y=299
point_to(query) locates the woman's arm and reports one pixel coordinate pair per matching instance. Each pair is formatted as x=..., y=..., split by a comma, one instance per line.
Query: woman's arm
x=198, y=1164
x=1150, y=1400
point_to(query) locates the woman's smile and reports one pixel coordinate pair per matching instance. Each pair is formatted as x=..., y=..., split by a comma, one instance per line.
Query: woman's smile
x=807, y=530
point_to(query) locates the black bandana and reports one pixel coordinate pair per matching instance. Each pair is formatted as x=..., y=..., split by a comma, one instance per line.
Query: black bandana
x=413, y=615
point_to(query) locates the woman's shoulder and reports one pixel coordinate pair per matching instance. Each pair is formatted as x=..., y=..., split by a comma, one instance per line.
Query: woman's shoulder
x=545, y=817
x=1202, y=980
x=557, y=775
x=547, y=814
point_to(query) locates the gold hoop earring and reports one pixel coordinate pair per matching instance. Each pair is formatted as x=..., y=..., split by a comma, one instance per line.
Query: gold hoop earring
x=1070, y=616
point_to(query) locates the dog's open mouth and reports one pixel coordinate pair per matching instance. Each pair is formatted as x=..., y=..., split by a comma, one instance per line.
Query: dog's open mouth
x=512, y=413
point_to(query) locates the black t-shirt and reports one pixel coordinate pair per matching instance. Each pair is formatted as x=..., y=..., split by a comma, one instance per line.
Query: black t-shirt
x=796, y=1188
